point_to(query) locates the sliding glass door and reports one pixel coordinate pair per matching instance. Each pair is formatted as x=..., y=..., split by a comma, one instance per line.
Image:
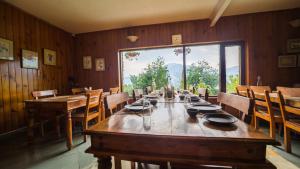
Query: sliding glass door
x=217, y=67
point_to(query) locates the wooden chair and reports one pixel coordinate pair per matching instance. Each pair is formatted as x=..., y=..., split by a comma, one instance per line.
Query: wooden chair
x=290, y=115
x=114, y=101
x=93, y=109
x=114, y=90
x=263, y=108
x=243, y=90
x=243, y=104
x=78, y=91
x=137, y=94
x=44, y=94
x=203, y=92
x=289, y=91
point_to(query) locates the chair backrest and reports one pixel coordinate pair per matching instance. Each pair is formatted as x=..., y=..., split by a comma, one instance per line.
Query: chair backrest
x=93, y=100
x=265, y=101
x=203, y=92
x=112, y=101
x=285, y=109
x=243, y=104
x=260, y=89
x=137, y=93
x=44, y=94
x=243, y=90
x=114, y=90
x=78, y=90
x=289, y=91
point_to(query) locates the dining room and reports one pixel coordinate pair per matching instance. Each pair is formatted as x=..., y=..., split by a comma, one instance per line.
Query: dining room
x=149, y=84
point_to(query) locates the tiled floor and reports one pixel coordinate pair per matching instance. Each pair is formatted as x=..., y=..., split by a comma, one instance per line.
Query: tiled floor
x=52, y=154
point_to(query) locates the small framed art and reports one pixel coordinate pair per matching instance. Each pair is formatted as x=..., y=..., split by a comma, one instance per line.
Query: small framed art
x=287, y=61
x=87, y=62
x=293, y=45
x=30, y=59
x=100, y=64
x=49, y=57
x=6, y=49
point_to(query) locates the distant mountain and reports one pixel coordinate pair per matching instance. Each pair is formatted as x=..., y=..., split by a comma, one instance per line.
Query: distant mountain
x=232, y=70
x=175, y=72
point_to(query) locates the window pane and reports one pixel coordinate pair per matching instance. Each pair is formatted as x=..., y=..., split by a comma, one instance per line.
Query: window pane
x=232, y=57
x=202, y=67
x=152, y=67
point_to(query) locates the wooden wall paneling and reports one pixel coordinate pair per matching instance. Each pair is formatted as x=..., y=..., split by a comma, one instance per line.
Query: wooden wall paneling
x=265, y=35
x=2, y=34
x=12, y=74
x=16, y=83
x=18, y=72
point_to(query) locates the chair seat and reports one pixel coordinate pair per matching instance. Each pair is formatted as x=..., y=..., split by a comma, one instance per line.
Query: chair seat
x=266, y=116
x=293, y=124
x=80, y=116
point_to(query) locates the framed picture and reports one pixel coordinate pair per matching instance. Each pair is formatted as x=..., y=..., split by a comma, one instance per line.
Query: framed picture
x=100, y=64
x=49, y=57
x=30, y=59
x=6, y=49
x=87, y=62
x=287, y=61
x=293, y=45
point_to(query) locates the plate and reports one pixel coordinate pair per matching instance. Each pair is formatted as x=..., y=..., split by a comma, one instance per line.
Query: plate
x=151, y=96
x=220, y=118
x=137, y=108
x=211, y=107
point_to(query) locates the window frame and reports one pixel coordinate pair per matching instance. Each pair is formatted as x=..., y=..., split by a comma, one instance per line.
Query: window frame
x=223, y=45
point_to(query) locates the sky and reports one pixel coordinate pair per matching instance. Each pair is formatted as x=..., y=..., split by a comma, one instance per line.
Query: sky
x=209, y=53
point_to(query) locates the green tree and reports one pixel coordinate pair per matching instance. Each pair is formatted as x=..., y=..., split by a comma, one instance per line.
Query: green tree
x=201, y=74
x=156, y=73
x=232, y=83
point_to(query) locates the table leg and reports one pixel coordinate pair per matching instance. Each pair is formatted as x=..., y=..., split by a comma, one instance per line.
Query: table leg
x=30, y=125
x=69, y=130
x=104, y=163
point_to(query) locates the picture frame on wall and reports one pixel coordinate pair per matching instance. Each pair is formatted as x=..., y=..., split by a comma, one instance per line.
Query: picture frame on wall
x=49, y=57
x=30, y=59
x=285, y=61
x=87, y=62
x=293, y=45
x=6, y=49
x=100, y=64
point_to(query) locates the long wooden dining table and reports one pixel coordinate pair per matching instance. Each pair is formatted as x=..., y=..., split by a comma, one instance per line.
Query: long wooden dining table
x=176, y=138
x=59, y=105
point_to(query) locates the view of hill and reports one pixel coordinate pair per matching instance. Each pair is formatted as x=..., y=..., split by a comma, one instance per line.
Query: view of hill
x=175, y=72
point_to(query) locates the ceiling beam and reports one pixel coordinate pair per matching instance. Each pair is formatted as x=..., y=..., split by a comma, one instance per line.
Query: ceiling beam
x=218, y=11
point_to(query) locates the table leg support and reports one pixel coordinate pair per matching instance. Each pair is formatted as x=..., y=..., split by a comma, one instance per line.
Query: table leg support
x=30, y=126
x=104, y=163
x=69, y=130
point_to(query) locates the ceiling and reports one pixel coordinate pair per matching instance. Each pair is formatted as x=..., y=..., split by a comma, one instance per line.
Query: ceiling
x=79, y=16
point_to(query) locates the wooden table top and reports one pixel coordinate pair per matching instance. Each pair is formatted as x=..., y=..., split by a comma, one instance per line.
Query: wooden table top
x=68, y=98
x=171, y=120
x=290, y=101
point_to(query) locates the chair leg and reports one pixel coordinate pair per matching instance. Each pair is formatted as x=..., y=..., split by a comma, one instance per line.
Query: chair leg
x=272, y=130
x=84, y=127
x=117, y=163
x=256, y=122
x=57, y=125
x=132, y=163
x=287, y=139
x=42, y=129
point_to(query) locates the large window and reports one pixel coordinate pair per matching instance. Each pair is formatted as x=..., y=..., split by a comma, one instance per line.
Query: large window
x=218, y=67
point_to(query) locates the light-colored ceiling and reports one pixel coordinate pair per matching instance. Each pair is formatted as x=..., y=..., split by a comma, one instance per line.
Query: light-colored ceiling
x=78, y=16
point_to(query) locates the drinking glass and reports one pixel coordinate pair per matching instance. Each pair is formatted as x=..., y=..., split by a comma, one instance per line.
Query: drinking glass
x=146, y=115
